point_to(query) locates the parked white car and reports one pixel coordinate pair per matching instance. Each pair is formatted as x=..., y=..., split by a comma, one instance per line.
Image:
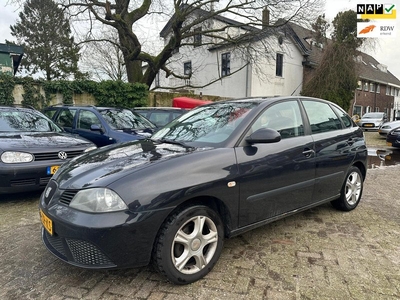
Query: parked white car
x=372, y=120
x=388, y=126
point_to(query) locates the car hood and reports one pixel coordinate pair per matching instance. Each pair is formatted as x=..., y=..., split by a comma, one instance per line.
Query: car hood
x=371, y=120
x=105, y=165
x=40, y=140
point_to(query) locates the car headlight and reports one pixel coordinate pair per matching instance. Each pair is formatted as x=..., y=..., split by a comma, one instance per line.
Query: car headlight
x=13, y=157
x=98, y=200
x=90, y=149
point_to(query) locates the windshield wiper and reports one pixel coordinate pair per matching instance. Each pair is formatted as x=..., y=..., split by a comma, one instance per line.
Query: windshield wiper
x=174, y=142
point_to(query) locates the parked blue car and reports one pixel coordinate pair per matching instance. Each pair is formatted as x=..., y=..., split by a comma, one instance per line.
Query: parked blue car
x=101, y=125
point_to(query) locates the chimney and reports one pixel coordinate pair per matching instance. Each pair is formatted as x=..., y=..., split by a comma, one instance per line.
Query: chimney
x=265, y=18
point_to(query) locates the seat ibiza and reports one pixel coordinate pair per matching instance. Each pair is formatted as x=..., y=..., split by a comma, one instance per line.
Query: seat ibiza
x=213, y=173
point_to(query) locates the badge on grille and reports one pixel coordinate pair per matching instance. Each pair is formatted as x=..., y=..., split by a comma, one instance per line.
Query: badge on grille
x=62, y=155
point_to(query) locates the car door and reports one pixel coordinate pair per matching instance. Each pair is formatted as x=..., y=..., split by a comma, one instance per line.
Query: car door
x=276, y=178
x=83, y=127
x=65, y=118
x=334, y=138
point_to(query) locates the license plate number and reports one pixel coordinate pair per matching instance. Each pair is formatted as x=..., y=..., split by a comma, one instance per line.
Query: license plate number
x=46, y=222
x=368, y=125
x=52, y=169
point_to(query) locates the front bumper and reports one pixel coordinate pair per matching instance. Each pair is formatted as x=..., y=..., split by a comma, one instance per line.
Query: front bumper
x=99, y=241
x=15, y=178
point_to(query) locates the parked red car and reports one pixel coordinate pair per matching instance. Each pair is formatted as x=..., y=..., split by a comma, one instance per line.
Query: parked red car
x=188, y=103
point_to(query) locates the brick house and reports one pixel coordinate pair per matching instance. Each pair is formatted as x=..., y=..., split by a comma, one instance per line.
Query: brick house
x=378, y=89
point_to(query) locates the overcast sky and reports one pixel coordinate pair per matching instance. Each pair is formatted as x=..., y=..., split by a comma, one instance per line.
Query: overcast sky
x=386, y=50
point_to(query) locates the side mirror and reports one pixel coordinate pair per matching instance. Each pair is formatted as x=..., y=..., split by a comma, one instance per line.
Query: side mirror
x=264, y=136
x=95, y=127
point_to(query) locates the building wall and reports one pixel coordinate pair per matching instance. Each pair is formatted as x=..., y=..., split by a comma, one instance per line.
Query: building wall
x=256, y=78
x=6, y=64
x=268, y=84
x=372, y=101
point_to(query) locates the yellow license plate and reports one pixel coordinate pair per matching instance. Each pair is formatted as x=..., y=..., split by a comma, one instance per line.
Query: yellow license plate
x=368, y=125
x=52, y=169
x=47, y=222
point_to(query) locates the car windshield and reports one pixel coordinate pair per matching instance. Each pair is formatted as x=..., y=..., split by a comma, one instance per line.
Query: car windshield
x=207, y=125
x=125, y=119
x=373, y=116
x=19, y=120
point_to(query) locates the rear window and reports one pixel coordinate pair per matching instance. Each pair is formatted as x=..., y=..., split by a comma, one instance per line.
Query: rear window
x=321, y=116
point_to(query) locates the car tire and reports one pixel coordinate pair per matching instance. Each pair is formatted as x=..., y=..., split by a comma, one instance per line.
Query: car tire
x=351, y=192
x=189, y=244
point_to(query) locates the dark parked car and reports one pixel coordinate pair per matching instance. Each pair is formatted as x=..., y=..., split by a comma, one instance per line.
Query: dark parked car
x=217, y=171
x=393, y=138
x=32, y=148
x=160, y=116
x=101, y=125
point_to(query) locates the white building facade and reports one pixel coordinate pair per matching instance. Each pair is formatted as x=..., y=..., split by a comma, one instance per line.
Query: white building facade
x=267, y=65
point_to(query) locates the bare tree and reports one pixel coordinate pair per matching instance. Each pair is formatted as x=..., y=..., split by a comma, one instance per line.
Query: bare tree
x=102, y=59
x=136, y=21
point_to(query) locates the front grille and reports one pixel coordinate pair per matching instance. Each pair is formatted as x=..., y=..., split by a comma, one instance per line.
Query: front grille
x=44, y=180
x=76, y=252
x=56, y=243
x=22, y=182
x=67, y=197
x=54, y=155
x=87, y=254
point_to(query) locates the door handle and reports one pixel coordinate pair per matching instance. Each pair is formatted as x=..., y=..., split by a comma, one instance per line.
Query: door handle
x=308, y=153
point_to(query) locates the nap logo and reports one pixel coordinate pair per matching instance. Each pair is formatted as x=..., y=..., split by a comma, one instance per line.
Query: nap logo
x=376, y=11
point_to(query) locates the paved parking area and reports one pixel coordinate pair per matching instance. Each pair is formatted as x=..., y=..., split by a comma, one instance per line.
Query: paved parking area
x=318, y=254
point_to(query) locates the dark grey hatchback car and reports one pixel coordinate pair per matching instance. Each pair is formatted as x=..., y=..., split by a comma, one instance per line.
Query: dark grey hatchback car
x=32, y=148
x=213, y=173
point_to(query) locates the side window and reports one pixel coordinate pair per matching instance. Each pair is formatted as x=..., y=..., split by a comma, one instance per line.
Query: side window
x=87, y=119
x=345, y=117
x=66, y=118
x=321, y=116
x=284, y=117
x=50, y=113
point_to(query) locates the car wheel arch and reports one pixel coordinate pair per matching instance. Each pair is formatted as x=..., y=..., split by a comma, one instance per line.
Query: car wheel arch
x=361, y=167
x=167, y=236
x=213, y=203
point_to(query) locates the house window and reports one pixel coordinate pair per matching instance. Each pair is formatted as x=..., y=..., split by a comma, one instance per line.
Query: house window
x=372, y=87
x=357, y=110
x=359, y=85
x=197, y=37
x=187, y=68
x=392, y=91
x=378, y=88
x=225, y=64
x=279, y=64
x=387, y=90
x=366, y=86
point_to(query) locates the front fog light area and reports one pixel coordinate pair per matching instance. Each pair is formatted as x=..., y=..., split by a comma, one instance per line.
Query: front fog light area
x=98, y=200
